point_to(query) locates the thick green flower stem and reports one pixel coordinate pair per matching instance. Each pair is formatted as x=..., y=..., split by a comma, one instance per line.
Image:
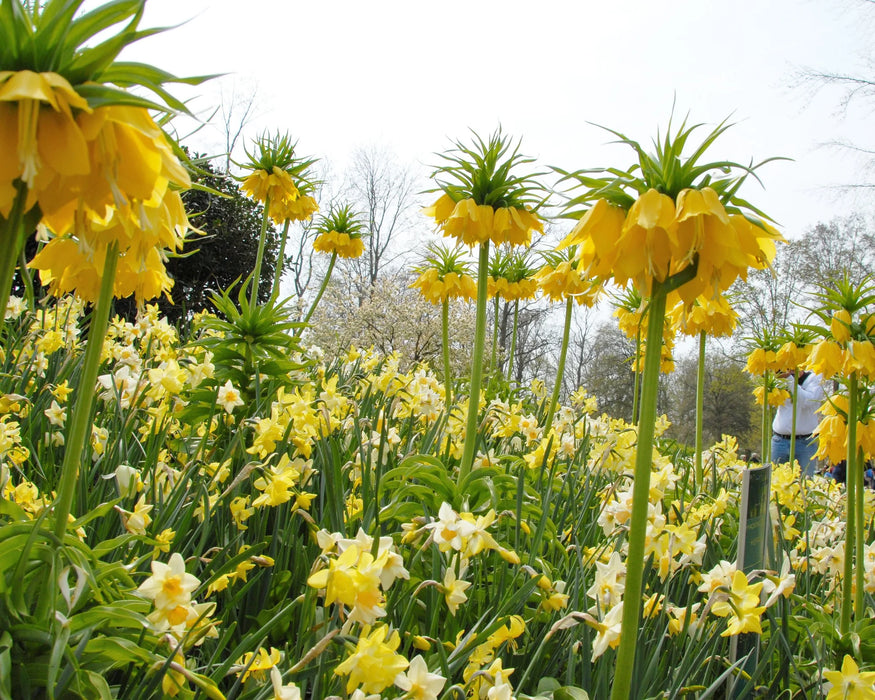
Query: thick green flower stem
x=26, y=280
x=445, y=347
x=516, y=316
x=476, y=366
x=860, y=554
x=700, y=401
x=259, y=257
x=624, y=670
x=493, y=363
x=764, y=424
x=11, y=243
x=794, y=400
x=322, y=288
x=80, y=422
x=280, y=257
x=560, y=369
x=637, y=388
x=852, y=484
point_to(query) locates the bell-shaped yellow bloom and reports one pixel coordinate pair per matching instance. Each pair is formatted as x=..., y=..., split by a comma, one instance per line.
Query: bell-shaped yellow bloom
x=276, y=184
x=791, y=356
x=564, y=281
x=840, y=326
x=832, y=439
x=514, y=226
x=598, y=233
x=860, y=359
x=46, y=134
x=714, y=316
x=452, y=285
x=866, y=437
x=300, y=208
x=645, y=245
x=512, y=290
x=700, y=219
x=442, y=209
x=473, y=224
x=74, y=263
x=470, y=223
x=343, y=244
x=761, y=361
x=827, y=358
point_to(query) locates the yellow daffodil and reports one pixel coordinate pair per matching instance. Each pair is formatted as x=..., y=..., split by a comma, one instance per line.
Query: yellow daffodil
x=256, y=663
x=850, y=683
x=374, y=663
x=742, y=606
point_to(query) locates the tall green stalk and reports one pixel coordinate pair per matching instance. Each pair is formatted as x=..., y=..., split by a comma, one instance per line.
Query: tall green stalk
x=322, y=287
x=80, y=422
x=12, y=235
x=640, y=496
x=516, y=315
x=476, y=365
x=700, y=402
x=852, y=484
x=859, y=553
x=793, y=401
x=560, y=370
x=280, y=258
x=637, y=387
x=259, y=256
x=764, y=422
x=493, y=363
x=445, y=346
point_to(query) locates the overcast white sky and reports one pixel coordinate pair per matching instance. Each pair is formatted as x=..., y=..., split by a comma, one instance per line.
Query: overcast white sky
x=413, y=75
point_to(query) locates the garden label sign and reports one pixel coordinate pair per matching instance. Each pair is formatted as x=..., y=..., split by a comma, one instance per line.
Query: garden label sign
x=752, y=538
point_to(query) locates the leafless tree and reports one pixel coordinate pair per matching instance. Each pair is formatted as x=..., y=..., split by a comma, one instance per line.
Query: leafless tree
x=384, y=192
x=581, y=348
x=236, y=111
x=852, y=88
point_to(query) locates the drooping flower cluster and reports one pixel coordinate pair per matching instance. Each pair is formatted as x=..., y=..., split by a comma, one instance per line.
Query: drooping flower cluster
x=669, y=217
x=445, y=275
x=482, y=200
x=280, y=179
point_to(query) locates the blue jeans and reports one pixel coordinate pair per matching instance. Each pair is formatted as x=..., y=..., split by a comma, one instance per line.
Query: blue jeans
x=803, y=453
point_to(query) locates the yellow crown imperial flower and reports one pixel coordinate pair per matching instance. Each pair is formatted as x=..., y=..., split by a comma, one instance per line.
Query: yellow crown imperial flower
x=340, y=233
x=481, y=199
x=561, y=279
x=714, y=316
x=840, y=326
x=827, y=358
x=280, y=178
x=667, y=218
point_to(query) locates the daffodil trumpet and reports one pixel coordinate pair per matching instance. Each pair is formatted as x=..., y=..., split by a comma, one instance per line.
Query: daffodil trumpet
x=80, y=423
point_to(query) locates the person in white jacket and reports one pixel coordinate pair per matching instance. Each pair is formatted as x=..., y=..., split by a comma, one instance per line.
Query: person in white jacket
x=809, y=397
